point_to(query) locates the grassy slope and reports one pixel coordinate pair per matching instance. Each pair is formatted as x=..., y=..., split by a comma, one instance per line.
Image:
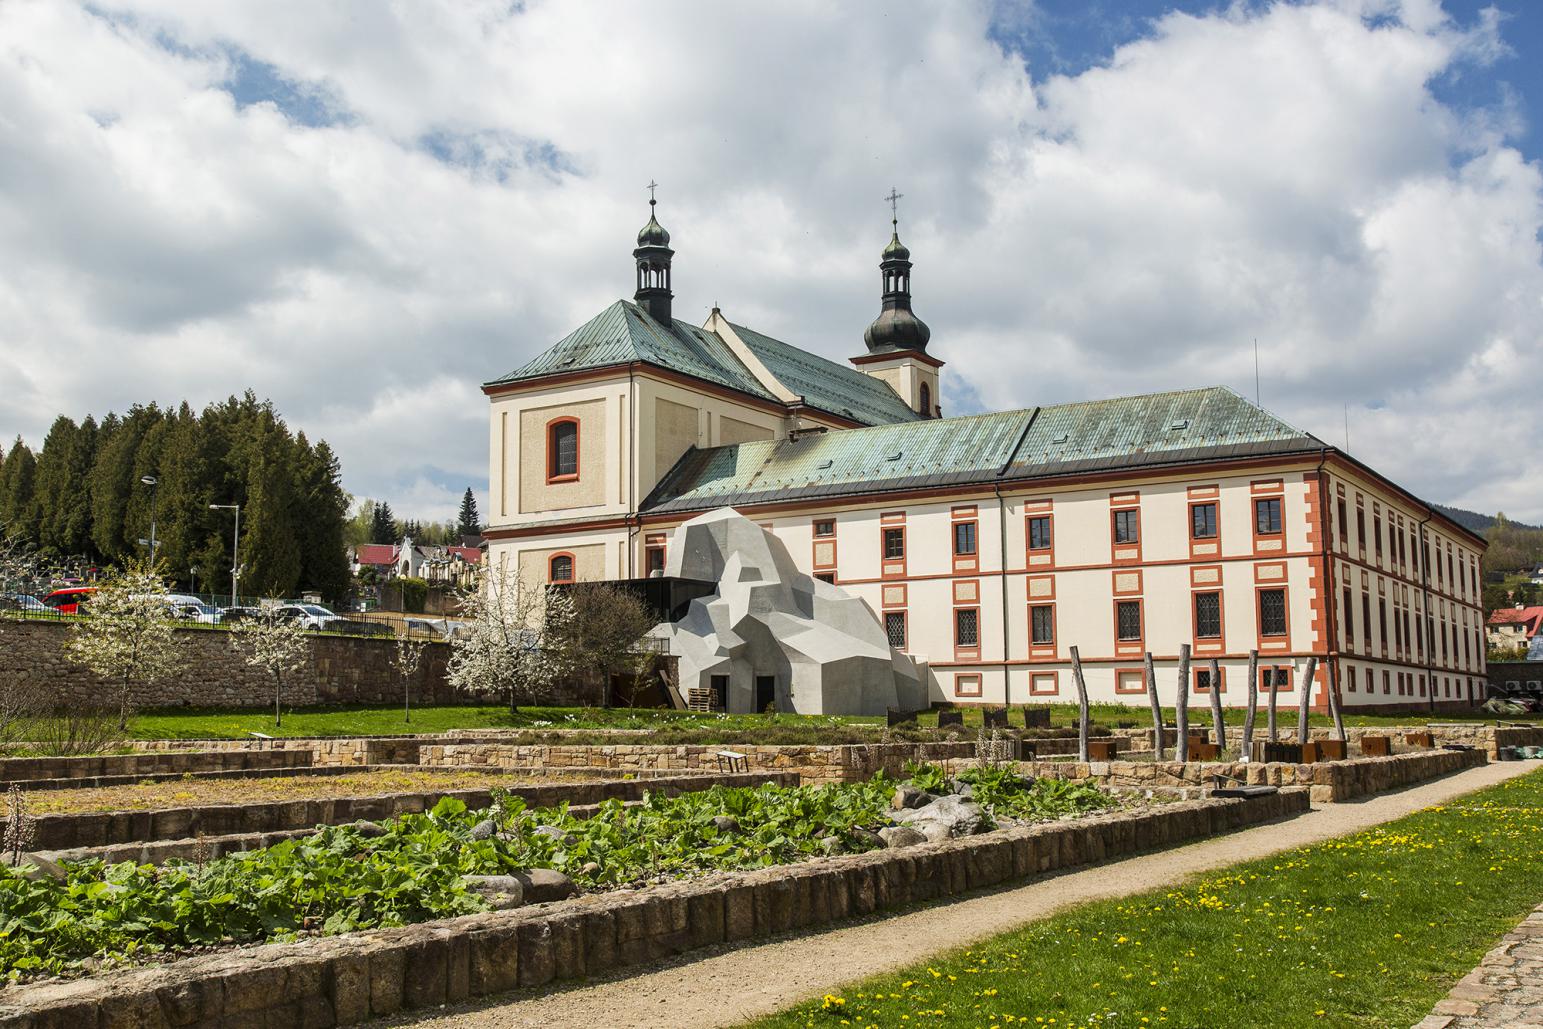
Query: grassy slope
x=386, y=721
x=1367, y=930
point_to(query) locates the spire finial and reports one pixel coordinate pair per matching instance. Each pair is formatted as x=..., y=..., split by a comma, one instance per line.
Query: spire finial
x=894, y=210
x=652, y=185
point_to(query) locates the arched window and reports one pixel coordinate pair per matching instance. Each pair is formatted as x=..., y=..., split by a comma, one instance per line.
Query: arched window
x=926, y=403
x=560, y=568
x=562, y=450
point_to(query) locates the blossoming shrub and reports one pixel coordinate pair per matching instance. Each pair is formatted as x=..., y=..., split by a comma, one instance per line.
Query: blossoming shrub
x=1365, y=930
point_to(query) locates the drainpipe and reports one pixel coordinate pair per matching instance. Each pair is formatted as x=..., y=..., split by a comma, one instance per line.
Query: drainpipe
x=1331, y=646
x=996, y=487
x=634, y=517
x=1430, y=620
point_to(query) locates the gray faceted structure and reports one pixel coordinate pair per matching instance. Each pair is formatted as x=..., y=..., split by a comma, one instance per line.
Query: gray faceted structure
x=824, y=647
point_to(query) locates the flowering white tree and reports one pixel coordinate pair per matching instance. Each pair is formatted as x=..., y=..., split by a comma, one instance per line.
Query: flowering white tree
x=504, y=643
x=276, y=645
x=408, y=659
x=128, y=636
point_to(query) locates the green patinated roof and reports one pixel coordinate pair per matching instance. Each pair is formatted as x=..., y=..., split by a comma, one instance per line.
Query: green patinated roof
x=826, y=384
x=624, y=333
x=1155, y=429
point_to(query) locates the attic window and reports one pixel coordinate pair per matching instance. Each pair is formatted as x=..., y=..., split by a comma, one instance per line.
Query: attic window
x=1060, y=439
x=897, y=455
x=1177, y=424
x=570, y=359
x=826, y=464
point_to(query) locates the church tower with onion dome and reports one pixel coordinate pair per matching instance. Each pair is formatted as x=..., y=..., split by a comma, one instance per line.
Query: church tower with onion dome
x=897, y=339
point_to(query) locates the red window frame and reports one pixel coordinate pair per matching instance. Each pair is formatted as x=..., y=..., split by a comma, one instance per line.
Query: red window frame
x=551, y=450
x=573, y=566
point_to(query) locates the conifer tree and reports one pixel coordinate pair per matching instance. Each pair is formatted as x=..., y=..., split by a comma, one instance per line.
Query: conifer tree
x=469, y=523
x=17, y=476
x=383, y=527
x=61, y=500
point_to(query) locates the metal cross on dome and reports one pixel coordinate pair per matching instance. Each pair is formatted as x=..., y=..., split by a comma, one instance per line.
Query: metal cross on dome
x=652, y=185
x=894, y=214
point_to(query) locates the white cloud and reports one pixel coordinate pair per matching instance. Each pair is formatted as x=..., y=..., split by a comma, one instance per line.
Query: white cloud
x=440, y=190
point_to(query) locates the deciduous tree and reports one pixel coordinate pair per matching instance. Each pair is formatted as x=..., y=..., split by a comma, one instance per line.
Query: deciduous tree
x=503, y=646
x=128, y=637
x=276, y=645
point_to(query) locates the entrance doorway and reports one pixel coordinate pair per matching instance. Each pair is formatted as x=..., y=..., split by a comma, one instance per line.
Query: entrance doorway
x=765, y=692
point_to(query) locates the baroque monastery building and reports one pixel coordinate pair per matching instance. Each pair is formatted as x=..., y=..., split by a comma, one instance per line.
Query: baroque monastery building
x=990, y=544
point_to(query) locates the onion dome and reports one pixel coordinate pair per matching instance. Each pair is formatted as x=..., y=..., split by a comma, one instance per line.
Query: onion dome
x=653, y=234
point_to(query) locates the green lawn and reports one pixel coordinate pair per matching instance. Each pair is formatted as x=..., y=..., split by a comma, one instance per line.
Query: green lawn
x=1366, y=930
x=205, y=723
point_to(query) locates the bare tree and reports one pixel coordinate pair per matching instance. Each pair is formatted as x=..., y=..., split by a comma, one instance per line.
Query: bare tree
x=1334, y=705
x=1157, y=710
x=1217, y=721
x=503, y=646
x=601, y=637
x=1272, y=676
x=407, y=661
x=1305, y=695
x=1247, y=745
x=1082, y=705
x=277, y=646
x=129, y=636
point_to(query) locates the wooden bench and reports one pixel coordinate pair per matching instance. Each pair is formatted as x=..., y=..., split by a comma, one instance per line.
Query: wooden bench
x=732, y=761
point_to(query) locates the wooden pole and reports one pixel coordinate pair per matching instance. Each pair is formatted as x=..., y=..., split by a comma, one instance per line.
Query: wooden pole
x=1334, y=709
x=1274, y=679
x=1217, y=721
x=1253, y=704
x=1181, y=707
x=1157, y=710
x=1304, y=699
x=1082, y=706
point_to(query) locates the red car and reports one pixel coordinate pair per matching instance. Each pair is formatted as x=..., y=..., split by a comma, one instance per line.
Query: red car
x=68, y=601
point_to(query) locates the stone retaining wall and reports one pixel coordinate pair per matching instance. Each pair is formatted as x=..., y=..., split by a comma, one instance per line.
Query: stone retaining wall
x=349, y=751
x=1489, y=738
x=817, y=763
x=27, y=769
x=101, y=829
x=1330, y=781
x=345, y=980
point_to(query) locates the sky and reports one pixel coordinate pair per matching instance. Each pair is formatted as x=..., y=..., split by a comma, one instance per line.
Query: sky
x=364, y=210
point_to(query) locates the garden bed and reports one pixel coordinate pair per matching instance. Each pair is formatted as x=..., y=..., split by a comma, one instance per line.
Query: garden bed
x=352, y=977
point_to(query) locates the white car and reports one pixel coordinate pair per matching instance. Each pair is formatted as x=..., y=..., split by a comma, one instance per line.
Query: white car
x=310, y=616
x=189, y=608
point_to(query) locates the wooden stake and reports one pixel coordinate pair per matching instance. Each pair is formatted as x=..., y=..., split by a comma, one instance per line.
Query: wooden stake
x=1217, y=721
x=1334, y=709
x=1082, y=706
x=1253, y=704
x=1304, y=698
x=1157, y=710
x=1274, y=678
x=1181, y=708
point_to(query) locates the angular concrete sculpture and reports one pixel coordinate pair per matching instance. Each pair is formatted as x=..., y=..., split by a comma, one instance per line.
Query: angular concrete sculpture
x=772, y=630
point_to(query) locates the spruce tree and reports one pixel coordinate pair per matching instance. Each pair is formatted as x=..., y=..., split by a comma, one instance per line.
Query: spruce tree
x=469, y=523
x=17, y=477
x=383, y=527
x=320, y=507
x=62, y=499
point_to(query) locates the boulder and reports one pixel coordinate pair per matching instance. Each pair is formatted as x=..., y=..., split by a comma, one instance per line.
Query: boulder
x=500, y=891
x=725, y=823
x=908, y=796
x=544, y=884
x=369, y=830
x=945, y=818
x=553, y=832
x=484, y=829
x=897, y=836
x=41, y=867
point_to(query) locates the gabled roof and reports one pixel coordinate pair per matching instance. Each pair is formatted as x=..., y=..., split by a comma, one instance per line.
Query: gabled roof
x=825, y=384
x=624, y=333
x=375, y=553
x=1151, y=430
x=1530, y=618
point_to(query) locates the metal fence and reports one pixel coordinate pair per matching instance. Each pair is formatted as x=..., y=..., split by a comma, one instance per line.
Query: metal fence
x=206, y=612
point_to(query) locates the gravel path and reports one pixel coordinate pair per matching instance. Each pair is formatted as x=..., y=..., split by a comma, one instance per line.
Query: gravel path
x=722, y=986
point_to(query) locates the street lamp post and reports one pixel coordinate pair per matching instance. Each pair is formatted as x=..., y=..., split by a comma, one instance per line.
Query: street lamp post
x=152, y=482
x=235, y=548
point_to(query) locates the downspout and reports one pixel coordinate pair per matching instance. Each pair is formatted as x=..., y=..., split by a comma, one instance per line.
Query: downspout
x=1430, y=619
x=1331, y=646
x=634, y=517
x=996, y=487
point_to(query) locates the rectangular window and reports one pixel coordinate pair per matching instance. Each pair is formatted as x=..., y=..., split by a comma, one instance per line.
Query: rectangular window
x=1272, y=612
x=894, y=628
x=1403, y=555
x=1382, y=621
x=1208, y=615
x=825, y=528
x=1360, y=526
x=654, y=558
x=829, y=577
x=1350, y=680
x=1039, y=532
x=1366, y=618
x=1267, y=516
x=1344, y=525
x=1127, y=526
x=563, y=449
x=1042, y=623
x=1128, y=618
x=966, y=627
x=1349, y=620
x=964, y=538
x=1274, y=679
x=1377, y=534
x=1202, y=680
x=1202, y=521
x=1387, y=683
x=894, y=544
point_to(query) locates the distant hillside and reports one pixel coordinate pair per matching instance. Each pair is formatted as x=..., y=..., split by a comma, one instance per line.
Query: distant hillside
x=1475, y=521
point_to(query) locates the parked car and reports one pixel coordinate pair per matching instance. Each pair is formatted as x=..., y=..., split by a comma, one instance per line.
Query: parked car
x=311, y=616
x=71, y=600
x=22, y=602
x=187, y=607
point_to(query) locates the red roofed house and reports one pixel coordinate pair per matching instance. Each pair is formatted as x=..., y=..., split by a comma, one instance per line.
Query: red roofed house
x=1514, y=626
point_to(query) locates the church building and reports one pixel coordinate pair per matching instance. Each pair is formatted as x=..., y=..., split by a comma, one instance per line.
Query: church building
x=987, y=545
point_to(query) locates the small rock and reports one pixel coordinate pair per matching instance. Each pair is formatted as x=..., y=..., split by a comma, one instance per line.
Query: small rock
x=41, y=867
x=484, y=829
x=590, y=867
x=908, y=796
x=867, y=840
x=554, y=833
x=544, y=884
x=500, y=891
x=831, y=845
x=897, y=836
x=945, y=818
x=369, y=830
x=966, y=791
x=725, y=823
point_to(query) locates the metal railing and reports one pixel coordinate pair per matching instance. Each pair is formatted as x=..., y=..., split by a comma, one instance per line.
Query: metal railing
x=207, y=613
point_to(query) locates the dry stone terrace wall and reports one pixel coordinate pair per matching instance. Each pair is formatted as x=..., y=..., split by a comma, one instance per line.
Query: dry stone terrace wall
x=1488, y=738
x=1329, y=781
x=345, y=980
x=850, y=762
x=30, y=769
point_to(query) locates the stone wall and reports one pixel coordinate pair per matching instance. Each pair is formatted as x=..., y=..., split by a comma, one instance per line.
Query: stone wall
x=341, y=670
x=1487, y=737
x=345, y=980
x=32, y=769
x=1330, y=781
